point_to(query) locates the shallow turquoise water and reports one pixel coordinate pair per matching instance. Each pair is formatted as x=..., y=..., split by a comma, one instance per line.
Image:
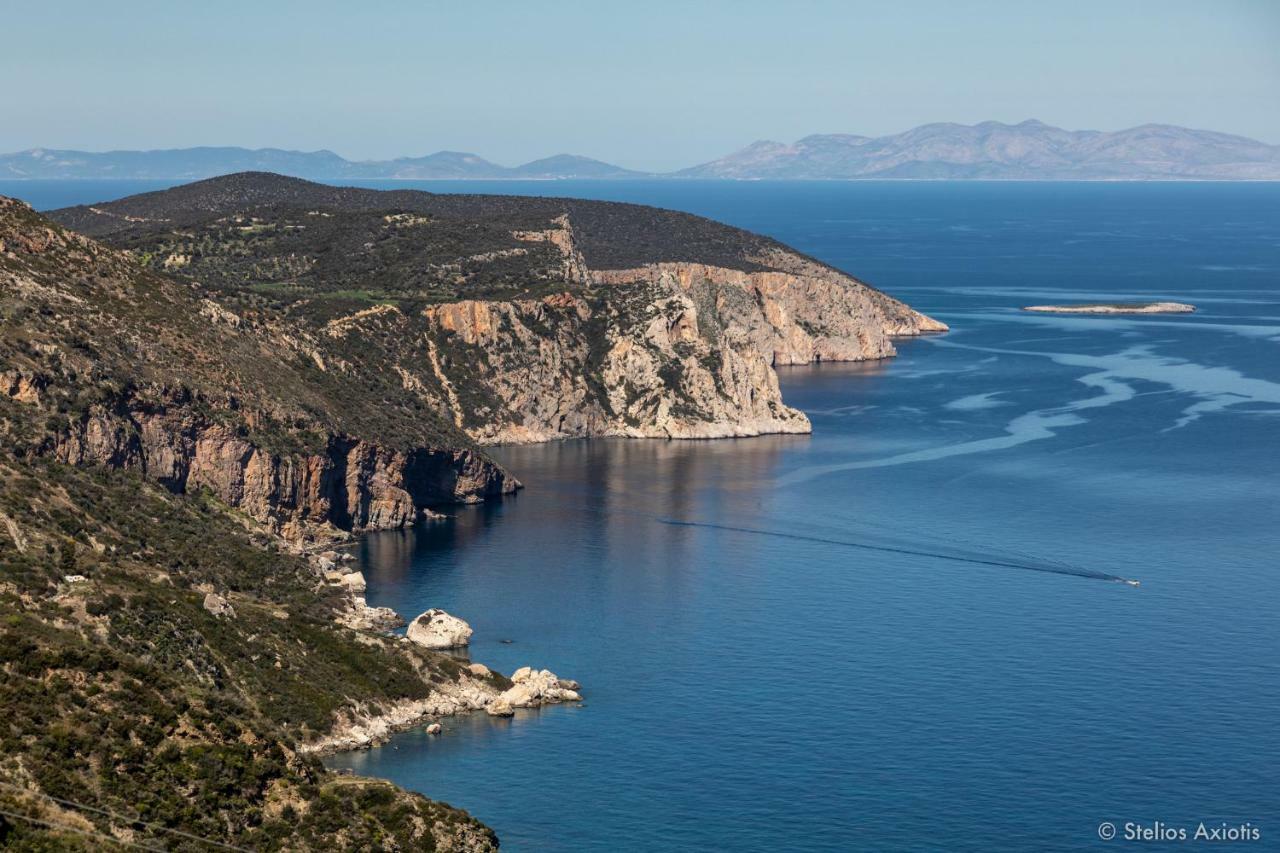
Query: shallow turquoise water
x=891, y=634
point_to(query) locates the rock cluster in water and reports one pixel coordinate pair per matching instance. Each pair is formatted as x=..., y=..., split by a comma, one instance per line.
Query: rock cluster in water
x=531, y=688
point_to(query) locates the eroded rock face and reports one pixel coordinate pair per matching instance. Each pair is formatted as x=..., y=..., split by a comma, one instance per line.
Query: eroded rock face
x=785, y=318
x=436, y=629
x=361, y=617
x=640, y=363
x=20, y=386
x=354, y=485
x=669, y=350
x=898, y=319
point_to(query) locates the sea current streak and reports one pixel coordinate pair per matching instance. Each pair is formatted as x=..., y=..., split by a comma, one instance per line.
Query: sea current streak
x=977, y=561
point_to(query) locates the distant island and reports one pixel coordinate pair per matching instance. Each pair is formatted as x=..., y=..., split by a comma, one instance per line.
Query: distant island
x=991, y=150
x=1116, y=308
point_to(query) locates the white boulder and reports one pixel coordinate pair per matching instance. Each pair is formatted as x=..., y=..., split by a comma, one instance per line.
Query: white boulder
x=219, y=606
x=436, y=629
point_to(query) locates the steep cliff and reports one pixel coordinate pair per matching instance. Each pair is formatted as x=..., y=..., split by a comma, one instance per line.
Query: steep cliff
x=119, y=366
x=350, y=484
x=669, y=349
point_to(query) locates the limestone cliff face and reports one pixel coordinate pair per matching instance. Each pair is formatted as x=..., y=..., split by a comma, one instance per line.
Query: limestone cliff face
x=644, y=362
x=670, y=350
x=898, y=319
x=352, y=484
x=787, y=318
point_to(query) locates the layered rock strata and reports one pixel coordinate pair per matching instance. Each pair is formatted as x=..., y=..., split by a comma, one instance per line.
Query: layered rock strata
x=353, y=484
x=672, y=350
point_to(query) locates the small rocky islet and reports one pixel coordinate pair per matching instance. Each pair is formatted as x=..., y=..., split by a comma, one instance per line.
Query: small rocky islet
x=1115, y=308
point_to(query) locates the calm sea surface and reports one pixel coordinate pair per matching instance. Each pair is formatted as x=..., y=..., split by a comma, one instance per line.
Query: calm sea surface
x=900, y=632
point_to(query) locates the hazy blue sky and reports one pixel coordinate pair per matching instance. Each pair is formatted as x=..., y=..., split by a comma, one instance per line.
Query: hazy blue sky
x=649, y=85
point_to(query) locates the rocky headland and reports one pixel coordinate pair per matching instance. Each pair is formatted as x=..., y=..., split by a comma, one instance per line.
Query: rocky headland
x=517, y=320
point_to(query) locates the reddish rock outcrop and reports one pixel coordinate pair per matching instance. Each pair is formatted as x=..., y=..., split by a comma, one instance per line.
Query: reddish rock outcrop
x=353, y=484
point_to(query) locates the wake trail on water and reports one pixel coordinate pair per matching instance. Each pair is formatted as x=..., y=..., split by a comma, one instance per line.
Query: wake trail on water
x=1031, y=565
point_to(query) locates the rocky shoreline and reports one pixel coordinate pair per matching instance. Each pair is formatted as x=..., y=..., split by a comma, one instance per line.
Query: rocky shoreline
x=366, y=728
x=476, y=688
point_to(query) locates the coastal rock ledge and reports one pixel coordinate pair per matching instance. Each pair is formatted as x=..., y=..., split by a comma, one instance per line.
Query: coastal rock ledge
x=476, y=688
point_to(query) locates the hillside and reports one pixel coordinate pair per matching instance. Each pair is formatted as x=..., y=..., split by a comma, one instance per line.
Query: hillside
x=149, y=373
x=168, y=649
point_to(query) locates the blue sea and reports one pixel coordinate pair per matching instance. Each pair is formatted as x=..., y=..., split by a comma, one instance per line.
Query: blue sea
x=905, y=631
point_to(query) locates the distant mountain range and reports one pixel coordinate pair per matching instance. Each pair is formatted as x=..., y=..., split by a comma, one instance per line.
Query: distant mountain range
x=198, y=163
x=991, y=150
x=1031, y=150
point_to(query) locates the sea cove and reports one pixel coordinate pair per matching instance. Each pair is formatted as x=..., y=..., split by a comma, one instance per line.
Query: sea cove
x=787, y=639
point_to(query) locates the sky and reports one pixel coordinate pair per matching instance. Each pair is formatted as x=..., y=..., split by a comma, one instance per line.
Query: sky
x=654, y=85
